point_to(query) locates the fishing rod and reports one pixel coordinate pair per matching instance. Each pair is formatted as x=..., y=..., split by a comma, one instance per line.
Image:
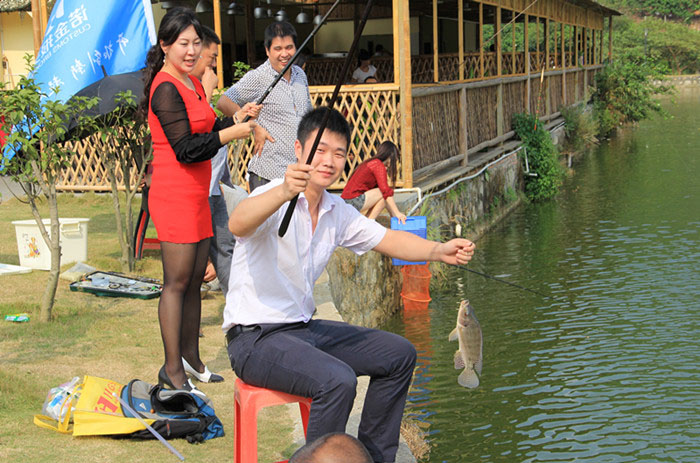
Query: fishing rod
x=291, y=61
x=501, y=280
x=346, y=67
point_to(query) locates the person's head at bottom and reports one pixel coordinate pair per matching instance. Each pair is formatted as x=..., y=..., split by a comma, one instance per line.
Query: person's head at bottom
x=335, y=447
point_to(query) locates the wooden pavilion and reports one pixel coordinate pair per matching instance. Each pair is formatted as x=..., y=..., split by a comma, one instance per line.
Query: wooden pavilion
x=455, y=73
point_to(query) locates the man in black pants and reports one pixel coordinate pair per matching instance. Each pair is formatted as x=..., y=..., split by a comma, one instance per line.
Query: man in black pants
x=272, y=340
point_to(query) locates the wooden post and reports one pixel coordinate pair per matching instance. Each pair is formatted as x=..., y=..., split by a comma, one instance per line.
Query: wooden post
x=610, y=39
x=499, y=43
x=481, y=39
x=436, y=69
x=499, y=110
x=250, y=31
x=563, y=65
x=526, y=39
x=537, y=30
x=219, y=58
x=575, y=57
x=512, y=41
x=463, y=135
x=36, y=26
x=44, y=17
x=584, y=33
x=600, y=51
x=546, y=43
x=460, y=36
x=402, y=38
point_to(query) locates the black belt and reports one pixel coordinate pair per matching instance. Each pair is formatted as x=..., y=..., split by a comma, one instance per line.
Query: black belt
x=235, y=330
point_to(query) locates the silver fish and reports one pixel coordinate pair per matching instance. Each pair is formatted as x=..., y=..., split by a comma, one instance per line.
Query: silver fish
x=469, y=355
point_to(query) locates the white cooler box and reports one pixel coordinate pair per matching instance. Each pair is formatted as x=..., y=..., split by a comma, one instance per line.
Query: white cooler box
x=35, y=253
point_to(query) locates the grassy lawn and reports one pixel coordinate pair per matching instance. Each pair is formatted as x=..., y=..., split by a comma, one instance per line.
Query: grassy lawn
x=114, y=338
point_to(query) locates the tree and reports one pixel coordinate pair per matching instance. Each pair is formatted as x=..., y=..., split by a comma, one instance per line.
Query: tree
x=127, y=147
x=40, y=155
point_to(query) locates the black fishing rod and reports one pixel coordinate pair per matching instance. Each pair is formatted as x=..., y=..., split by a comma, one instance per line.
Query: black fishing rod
x=346, y=67
x=296, y=55
x=501, y=280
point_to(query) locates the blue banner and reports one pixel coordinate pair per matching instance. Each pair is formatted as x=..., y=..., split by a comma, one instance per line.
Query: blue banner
x=83, y=37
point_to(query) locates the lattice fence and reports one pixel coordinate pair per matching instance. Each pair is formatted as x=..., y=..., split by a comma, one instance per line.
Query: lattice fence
x=571, y=87
x=481, y=115
x=325, y=71
x=555, y=95
x=372, y=115
x=513, y=102
x=86, y=172
x=435, y=128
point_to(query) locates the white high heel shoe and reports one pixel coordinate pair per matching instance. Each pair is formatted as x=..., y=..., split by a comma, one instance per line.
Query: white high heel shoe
x=206, y=377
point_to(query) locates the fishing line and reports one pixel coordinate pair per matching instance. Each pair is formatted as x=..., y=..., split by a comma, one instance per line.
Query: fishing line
x=501, y=280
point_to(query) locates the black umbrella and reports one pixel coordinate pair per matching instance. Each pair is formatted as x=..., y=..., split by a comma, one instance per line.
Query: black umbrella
x=106, y=89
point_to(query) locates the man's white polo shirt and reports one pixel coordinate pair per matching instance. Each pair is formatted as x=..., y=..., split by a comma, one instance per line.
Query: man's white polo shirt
x=272, y=278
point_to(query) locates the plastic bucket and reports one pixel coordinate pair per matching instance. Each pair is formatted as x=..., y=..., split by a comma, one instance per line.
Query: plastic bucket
x=418, y=225
x=35, y=253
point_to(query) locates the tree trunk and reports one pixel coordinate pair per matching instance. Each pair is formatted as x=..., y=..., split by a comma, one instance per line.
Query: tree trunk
x=111, y=168
x=49, y=296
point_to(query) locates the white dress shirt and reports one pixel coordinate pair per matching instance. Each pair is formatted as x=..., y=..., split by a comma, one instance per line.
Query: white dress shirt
x=272, y=278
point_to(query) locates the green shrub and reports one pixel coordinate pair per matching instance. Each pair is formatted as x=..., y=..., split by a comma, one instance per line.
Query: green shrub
x=542, y=158
x=624, y=93
x=580, y=127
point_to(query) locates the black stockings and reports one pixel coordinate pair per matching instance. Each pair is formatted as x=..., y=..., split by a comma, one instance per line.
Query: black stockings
x=180, y=306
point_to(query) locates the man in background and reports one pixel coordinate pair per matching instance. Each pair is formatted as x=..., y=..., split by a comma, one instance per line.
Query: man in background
x=281, y=111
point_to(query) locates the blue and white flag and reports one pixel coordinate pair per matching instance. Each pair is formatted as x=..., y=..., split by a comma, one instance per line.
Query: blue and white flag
x=84, y=36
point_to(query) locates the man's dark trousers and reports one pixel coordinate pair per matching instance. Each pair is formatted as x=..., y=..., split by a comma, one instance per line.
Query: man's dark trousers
x=322, y=359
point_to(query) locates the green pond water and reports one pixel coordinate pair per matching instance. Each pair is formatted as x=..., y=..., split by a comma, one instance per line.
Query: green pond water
x=607, y=368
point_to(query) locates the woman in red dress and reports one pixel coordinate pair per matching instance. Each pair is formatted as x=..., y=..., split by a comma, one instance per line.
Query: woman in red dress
x=368, y=190
x=186, y=135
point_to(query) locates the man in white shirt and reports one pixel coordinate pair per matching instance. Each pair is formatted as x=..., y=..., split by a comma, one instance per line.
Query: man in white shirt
x=272, y=340
x=364, y=70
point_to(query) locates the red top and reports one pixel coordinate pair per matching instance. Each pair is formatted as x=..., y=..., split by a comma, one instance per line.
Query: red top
x=178, y=199
x=369, y=175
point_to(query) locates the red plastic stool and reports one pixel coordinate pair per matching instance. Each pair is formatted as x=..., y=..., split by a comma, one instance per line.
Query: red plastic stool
x=249, y=400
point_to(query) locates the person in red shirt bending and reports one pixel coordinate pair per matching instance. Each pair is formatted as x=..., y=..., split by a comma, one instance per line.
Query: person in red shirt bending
x=368, y=190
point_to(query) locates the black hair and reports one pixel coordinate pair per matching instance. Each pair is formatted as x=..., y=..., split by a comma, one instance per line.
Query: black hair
x=209, y=36
x=388, y=150
x=363, y=55
x=173, y=23
x=279, y=29
x=313, y=120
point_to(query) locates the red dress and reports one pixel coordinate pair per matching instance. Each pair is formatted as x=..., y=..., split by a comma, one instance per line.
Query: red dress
x=178, y=199
x=369, y=175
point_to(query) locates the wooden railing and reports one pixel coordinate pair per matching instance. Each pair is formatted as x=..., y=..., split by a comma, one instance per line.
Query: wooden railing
x=450, y=121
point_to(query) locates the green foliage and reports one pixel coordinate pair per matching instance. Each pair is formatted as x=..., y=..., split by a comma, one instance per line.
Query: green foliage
x=40, y=125
x=542, y=158
x=580, y=127
x=670, y=47
x=624, y=93
x=239, y=70
x=668, y=9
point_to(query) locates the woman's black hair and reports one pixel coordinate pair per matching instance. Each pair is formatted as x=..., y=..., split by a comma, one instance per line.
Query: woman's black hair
x=174, y=22
x=388, y=150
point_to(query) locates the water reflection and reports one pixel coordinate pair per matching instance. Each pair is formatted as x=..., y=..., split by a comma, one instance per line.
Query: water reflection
x=606, y=369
